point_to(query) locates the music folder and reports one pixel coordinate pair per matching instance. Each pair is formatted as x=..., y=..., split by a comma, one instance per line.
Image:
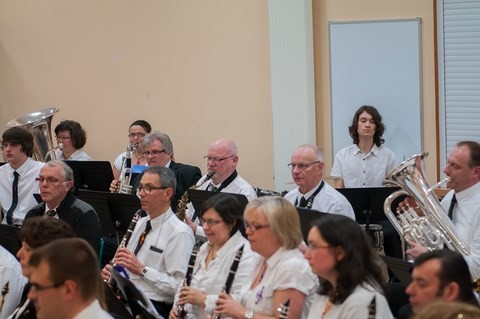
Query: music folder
x=400, y=268
x=307, y=218
x=198, y=197
x=91, y=175
x=9, y=238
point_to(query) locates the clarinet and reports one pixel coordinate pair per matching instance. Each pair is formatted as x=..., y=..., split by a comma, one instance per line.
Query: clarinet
x=231, y=275
x=283, y=309
x=110, y=281
x=182, y=313
x=372, y=309
x=22, y=311
x=5, y=291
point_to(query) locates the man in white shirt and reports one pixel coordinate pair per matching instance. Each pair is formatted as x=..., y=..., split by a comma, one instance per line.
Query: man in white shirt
x=307, y=165
x=65, y=282
x=366, y=162
x=157, y=254
x=462, y=202
x=18, y=176
x=222, y=158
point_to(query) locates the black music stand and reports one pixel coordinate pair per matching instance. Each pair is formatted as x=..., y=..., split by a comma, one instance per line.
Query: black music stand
x=198, y=197
x=140, y=305
x=307, y=218
x=91, y=175
x=400, y=268
x=9, y=238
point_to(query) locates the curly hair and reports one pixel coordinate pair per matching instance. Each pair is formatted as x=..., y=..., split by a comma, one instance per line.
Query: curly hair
x=77, y=133
x=377, y=119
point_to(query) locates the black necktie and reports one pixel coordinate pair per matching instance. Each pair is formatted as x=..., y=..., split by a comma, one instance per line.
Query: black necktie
x=14, y=198
x=51, y=213
x=303, y=202
x=211, y=188
x=141, y=240
x=452, y=205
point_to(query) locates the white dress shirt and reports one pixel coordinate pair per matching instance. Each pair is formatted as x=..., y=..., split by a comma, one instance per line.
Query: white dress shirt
x=165, y=252
x=355, y=306
x=11, y=271
x=27, y=186
x=328, y=200
x=211, y=280
x=286, y=269
x=466, y=218
x=94, y=310
x=358, y=169
x=78, y=155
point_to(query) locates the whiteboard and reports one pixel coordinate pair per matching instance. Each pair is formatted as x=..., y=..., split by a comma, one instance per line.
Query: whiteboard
x=378, y=63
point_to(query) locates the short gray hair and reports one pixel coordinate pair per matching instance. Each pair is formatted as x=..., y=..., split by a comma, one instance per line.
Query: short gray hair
x=165, y=176
x=159, y=136
x=67, y=172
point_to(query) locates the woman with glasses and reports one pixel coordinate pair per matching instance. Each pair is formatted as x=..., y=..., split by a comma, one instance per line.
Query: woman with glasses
x=136, y=133
x=348, y=267
x=222, y=220
x=71, y=138
x=273, y=230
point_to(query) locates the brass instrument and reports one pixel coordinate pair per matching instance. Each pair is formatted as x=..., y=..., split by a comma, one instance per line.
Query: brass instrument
x=40, y=125
x=283, y=309
x=124, y=186
x=182, y=313
x=433, y=229
x=4, y=293
x=110, y=281
x=182, y=203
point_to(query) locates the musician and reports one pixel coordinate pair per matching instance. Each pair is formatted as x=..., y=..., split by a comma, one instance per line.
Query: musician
x=448, y=310
x=72, y=137
x=438, y=275
x=223, y=225
x=158, y=151
x=222, y=158
x=273, y=229
x=136, y=133
x=11, y=273
x=366, y=162
x=307, y=165
x=463, y=168
x=35, y=233
x=56, y=190
x=157, y=254
x=342, y=256
x=19, y=172
x=65, y=280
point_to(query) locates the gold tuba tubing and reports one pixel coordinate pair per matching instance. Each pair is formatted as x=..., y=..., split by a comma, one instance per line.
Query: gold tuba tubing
x=433, y=229
x=40, y=125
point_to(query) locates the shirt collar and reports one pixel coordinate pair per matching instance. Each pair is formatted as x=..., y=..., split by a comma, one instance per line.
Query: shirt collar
x=310, y=192
x=466, y=193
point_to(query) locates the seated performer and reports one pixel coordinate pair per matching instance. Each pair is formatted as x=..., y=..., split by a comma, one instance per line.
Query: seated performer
x=366, y=162
x=342, y=256
x=65, y=281
x=19, y=173
x=56, y=191
x=222, y=159
x=157, y=254
x=11, y=282
x=307, y=171
x=223, y=226
x=71, y=138
x=136, y=133
x=273, y=229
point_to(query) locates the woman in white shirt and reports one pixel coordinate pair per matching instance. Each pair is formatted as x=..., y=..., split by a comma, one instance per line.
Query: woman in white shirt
x=342, y=256
x=71, y=138
x=222, y=220
x=273, y=229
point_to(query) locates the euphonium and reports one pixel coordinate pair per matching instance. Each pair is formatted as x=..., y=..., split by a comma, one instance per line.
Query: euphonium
x=125, y=241
x=126, y=173
x=433, y=229
x=39, y=124
x=182, y=203
x=5, y=291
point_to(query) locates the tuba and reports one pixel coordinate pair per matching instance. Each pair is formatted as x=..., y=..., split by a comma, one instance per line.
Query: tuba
x=432, y=229
x=40, y=125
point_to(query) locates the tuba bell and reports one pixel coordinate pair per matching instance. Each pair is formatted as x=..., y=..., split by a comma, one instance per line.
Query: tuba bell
x=40, y=125
x=432, y=228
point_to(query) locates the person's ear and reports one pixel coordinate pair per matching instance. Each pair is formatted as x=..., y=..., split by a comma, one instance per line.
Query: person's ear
x=451, y=292
x=71, y=289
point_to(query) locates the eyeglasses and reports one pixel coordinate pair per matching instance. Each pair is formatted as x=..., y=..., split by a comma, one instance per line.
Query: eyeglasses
x=154, y=152
x=148, y=188
x=255, y=227
x=216, y=159
x=38, y=287
x=139, y=135
x=210, y=222
x=63, y=138
x=302, y=166
x=49, y=180
x=312, y=246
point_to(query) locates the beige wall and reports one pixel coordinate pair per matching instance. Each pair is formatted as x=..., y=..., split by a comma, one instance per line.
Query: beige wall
x=198, y=70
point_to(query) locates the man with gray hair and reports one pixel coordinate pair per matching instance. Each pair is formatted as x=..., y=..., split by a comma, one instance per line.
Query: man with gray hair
x=307, y=165
x=56, y=190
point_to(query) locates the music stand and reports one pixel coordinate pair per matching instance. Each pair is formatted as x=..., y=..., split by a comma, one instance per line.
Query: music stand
x=3, y=163
x=9, y=238
x=198, y=197
x=307, y=218
x=91, y=175
x=139, y=304
x=400, y=268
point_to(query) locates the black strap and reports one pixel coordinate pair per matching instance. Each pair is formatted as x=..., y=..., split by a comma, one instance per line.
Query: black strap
x=14, y=198
x=141, y=240
x=309, y=202
x=227, y=182
x=452, y=206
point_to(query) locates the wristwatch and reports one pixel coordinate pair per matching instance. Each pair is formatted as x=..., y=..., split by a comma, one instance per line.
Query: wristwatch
x=144, y=271
x=249, y=314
